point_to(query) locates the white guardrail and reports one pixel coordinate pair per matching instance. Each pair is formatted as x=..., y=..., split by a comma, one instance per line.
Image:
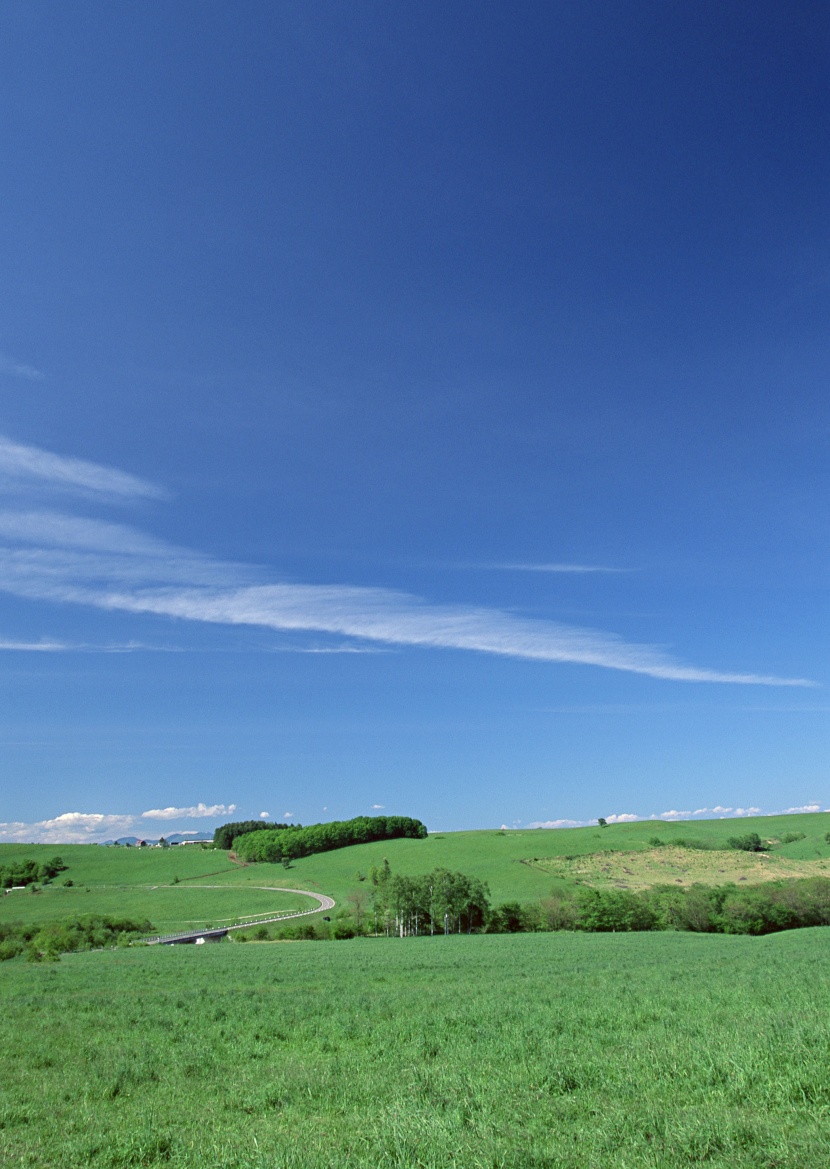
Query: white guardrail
x=184, y=936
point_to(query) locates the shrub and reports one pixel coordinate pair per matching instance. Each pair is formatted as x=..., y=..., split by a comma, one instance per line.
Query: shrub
x=751, y=842
x=509, y=918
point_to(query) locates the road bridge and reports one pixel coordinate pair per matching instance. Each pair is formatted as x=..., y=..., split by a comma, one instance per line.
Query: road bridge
x=191, y=937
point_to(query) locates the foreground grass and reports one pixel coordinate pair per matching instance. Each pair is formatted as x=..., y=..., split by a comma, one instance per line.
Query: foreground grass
x=525, y=1052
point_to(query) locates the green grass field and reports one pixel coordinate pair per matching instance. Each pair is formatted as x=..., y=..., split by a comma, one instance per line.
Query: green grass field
x=518, y=865
x=527, y=1052
x=499, y=857
x=532, y=1051
x=176, y=889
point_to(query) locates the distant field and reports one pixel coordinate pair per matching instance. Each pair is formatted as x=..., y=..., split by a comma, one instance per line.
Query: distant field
x=176, y=888
x=537, y=1051
x=170, y=908
x=522, y=865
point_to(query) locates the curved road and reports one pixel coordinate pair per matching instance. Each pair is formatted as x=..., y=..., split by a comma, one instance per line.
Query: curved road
x=191, y=935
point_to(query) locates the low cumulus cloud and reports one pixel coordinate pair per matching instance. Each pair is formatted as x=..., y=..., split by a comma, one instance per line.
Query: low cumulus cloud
x=51, y=555
x=194, y=812
x=68, y=828
x=718, y=812
x=560, y=823
x=93, y=827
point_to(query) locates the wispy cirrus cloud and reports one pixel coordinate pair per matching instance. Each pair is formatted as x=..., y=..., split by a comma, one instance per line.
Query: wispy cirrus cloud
x=33, y=465
x=50, y=555
x=559, y=568
x=19, y=369
x=44, y=646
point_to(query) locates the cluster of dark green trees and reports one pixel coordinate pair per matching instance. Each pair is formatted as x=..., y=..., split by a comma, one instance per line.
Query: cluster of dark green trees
x=287, y=844
x=725, y=909
x=48, y=941
x=224, y=837
x=29, y=872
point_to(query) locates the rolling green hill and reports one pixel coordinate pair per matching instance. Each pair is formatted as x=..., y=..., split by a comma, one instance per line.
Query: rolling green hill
x=521, y=865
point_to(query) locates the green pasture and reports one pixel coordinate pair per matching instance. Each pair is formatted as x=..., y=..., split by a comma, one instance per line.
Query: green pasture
x=534, y=1051
x=170, y=908
x=91, y=864
x=505, y=858
x=522, y=865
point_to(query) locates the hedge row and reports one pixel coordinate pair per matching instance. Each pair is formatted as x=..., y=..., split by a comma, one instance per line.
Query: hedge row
x=725, y=909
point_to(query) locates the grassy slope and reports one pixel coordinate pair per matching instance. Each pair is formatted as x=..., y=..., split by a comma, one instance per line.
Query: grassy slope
x=497, y=856
x=494, y=856
x=138, y=883
x=611, y=1051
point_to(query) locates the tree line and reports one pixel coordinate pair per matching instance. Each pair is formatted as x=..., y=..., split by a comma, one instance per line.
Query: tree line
x=725, y=909
x=287, y=844
x=444, y=902
x=224, y=836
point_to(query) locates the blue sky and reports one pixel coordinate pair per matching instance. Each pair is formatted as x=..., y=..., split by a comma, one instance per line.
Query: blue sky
x=417, y=407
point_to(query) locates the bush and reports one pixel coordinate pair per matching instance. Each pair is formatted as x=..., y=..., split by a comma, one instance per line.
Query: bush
x=89, y=932
x=612, y=910
x=792, y=837
x=509, y=918
x=751, y=842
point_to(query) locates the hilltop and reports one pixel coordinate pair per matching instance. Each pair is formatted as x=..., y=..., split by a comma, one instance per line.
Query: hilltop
x=179, y=884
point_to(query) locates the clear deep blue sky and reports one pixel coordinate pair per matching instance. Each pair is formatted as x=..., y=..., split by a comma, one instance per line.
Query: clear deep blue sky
x=419, y=406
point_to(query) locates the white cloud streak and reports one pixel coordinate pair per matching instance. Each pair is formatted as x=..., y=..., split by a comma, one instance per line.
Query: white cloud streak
x=560, y=568
x=36, y=466
x=19, y=369
x=51, y=556
x=9, y=646
x=395, y=618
